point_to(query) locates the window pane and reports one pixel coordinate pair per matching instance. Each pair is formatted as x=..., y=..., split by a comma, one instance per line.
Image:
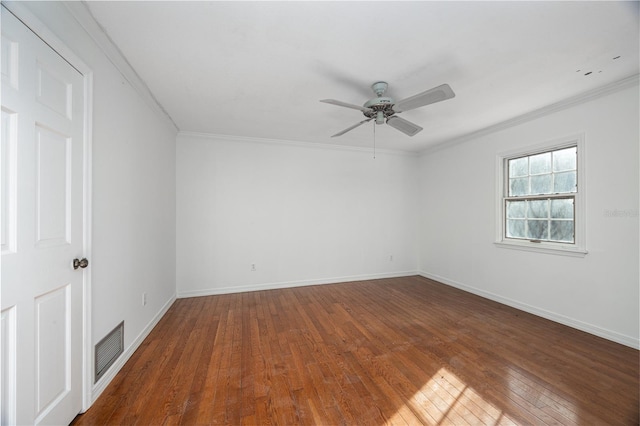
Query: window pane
x=519, y=186
x=562, y=209
x=515, y=228
x=541, y=184
x=540, y=163
x=519, y=167
x=539, y=203
x=538, y=209
x=538, y=229
x=516, y=209
x=564, y=159
x=562, y=230
x=565, y=182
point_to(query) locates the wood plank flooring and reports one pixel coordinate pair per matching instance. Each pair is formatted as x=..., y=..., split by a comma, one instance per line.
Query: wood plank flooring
x=392, y=351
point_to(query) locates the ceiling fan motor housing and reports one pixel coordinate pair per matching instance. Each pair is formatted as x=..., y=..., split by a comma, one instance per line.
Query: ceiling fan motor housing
x=379, y=108
x=379, y=103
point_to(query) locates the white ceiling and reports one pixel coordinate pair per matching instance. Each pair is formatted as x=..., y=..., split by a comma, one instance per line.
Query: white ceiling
x=259, y=69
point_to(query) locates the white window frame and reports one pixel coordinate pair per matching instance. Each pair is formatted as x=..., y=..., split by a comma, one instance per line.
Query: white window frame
x=579, y=246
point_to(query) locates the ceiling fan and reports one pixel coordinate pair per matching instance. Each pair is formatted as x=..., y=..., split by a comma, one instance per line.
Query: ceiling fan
x=383, y=108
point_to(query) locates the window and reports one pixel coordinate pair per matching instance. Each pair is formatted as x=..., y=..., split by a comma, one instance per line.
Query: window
x=540, y=199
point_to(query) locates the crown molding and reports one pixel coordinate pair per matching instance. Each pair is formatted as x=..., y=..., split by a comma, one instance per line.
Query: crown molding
x=590, y=95
x=82, y=14
x=299, y=144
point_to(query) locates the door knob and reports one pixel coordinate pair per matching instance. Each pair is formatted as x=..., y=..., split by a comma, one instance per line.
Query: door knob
x=80, y=263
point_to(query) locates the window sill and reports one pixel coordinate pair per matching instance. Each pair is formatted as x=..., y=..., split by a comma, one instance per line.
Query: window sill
x=547, y=248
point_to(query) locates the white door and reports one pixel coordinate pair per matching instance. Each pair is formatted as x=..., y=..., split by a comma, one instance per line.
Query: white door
x=42, y=230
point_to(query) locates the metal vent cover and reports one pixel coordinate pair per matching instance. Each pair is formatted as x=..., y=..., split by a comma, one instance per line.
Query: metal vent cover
x=108, y=350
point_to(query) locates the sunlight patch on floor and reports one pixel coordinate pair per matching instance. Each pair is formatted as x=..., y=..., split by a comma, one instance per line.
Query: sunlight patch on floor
x=445, y=399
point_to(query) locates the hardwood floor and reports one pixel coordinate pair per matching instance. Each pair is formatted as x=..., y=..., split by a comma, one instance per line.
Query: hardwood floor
x=392, y=351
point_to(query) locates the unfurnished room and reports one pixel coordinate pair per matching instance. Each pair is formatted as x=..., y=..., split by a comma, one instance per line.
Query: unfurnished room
x=320, y=212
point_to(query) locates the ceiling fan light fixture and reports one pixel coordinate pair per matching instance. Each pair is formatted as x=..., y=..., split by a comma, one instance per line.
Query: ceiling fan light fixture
x=380, y=117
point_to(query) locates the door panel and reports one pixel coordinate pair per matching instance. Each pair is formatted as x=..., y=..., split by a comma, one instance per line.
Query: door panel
x=8, y=177
x=52, y=348
x=52, y=90
x=42, y=229
x=53, y=185
x=8, y=361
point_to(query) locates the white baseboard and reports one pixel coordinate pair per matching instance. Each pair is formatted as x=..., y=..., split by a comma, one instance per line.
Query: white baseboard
x=559, y=318
x=104, y=381
x=288, y=284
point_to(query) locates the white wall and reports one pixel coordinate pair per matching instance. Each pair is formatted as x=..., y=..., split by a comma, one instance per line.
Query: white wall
x=133, y=221
x=597, y=293
x=301, y=214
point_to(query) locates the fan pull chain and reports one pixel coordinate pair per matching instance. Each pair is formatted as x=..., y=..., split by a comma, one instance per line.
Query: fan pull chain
x=374, y=140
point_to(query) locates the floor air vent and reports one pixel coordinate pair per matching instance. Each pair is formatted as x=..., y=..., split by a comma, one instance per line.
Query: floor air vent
x=108, y=350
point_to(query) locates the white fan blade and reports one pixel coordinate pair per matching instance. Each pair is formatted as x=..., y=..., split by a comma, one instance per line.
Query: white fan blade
x=403, y=125
x=344, y=104
x=351, y=128
x=431, y=96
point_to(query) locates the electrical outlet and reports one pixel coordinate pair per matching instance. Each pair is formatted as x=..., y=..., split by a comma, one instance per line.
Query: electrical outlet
x=144, y=299
x=253, y=266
